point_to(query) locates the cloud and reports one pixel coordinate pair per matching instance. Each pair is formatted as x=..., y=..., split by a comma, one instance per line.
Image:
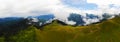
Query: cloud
x=80, y=4
x=104, y=5
x=24, y=8
x=104, y=2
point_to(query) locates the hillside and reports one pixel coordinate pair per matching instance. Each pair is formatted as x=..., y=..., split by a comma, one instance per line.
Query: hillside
x=106, y=31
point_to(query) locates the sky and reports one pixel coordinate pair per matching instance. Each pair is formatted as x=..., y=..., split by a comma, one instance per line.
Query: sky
x=60, y=8
x=80, y=4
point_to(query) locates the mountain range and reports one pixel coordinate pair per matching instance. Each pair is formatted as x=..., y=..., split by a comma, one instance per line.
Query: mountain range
x=44, y=27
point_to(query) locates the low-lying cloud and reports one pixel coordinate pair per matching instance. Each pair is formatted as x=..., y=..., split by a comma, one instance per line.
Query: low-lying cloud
x=25, y=8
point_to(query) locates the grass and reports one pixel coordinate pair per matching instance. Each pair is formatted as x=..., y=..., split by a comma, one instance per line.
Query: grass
x=107, y=31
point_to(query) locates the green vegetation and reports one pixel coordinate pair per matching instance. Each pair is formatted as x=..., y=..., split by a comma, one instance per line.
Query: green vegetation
x=27, y=35
x=2, y=39
x=107, y=31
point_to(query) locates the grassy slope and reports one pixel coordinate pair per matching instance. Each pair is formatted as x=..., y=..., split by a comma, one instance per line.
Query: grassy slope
x=107, y=31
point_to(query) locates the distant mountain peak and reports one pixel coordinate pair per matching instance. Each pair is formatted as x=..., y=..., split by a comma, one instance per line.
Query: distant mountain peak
x=40, y=20
x=73, y=19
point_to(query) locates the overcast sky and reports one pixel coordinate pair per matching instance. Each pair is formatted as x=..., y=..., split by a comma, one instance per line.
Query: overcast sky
x=60, y=8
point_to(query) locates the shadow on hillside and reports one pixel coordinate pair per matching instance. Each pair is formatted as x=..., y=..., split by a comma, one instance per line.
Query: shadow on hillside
x=12, y=29
x=58, y=22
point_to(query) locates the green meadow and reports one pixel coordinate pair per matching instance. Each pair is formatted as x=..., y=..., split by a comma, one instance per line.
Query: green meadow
x=106, y=31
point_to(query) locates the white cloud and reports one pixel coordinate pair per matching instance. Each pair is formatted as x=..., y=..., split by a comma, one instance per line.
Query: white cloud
x=104, y=2
x=104, y=5
x=24, y=8
x=71, y=22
